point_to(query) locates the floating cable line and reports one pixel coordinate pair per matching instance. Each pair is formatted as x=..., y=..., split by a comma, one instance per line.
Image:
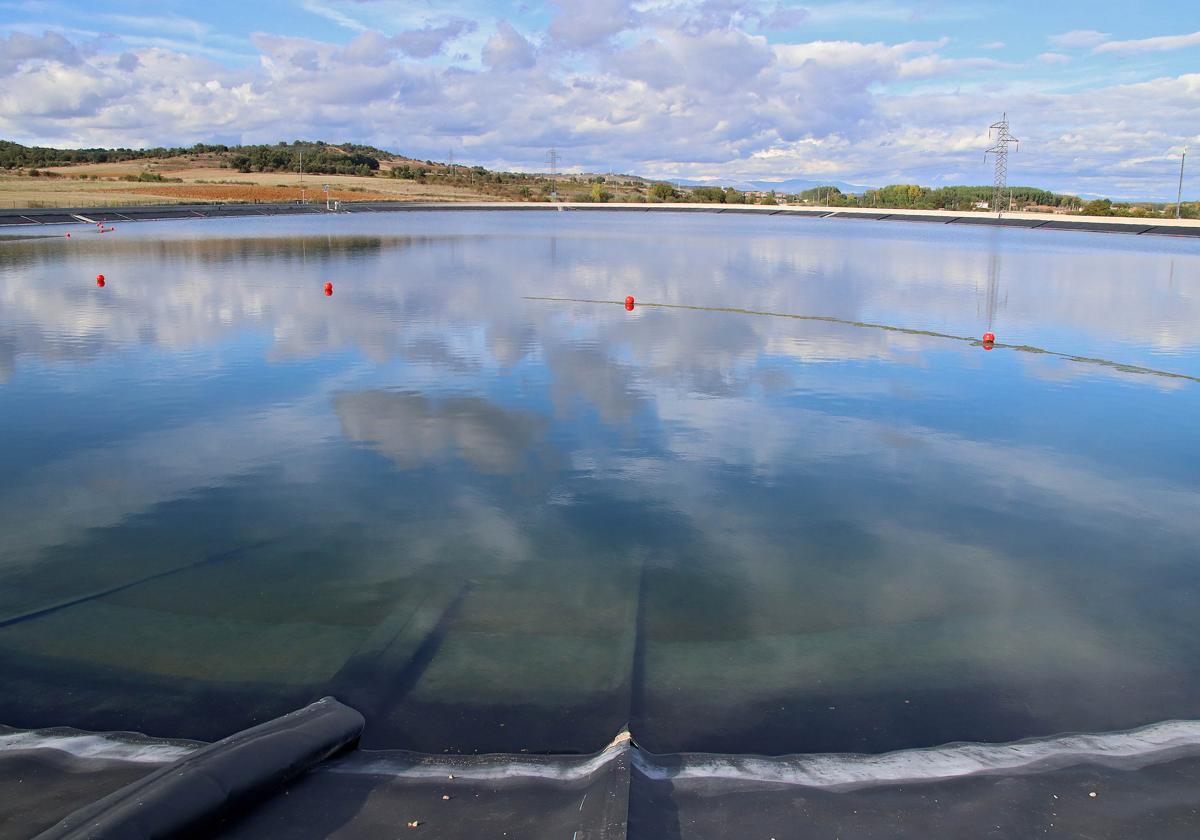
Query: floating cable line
x=829, y=319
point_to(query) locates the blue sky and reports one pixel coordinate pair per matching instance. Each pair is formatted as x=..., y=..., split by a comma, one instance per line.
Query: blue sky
x=872, y=91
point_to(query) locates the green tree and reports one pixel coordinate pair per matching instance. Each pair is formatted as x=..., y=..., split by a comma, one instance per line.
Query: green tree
x=662, y=191
x=708, y=195
x=1099, y=207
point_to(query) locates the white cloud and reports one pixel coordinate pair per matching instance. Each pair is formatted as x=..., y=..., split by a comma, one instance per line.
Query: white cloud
x=19, y=48
x=175, y=25
x=1078, y=39
x=585, y=23
x=371, y=47
x=508, y=49
x=1159, y=44
x=933, y=65
x=431, y=40
x=677, y=89
x=329, y=13
x=1054, y=58
x=719, y=61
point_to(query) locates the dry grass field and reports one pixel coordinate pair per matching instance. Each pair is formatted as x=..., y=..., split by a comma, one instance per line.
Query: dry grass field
x=100, y=184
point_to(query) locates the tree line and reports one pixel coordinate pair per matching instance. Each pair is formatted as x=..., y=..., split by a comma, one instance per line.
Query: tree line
x=319, y=157
x=917, y=197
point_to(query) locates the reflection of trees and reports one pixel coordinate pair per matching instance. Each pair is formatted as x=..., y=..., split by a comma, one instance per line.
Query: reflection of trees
x=8, y=358
x=222, y=250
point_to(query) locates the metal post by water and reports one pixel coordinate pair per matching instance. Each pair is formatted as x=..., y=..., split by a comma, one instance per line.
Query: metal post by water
x=1179, y=195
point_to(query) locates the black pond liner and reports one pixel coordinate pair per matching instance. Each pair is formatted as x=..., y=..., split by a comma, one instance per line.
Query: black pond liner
x=1097, y=227
x=994, y=221
x=41, y=219
x=64, y=783
x=209, y=782
x=873, y=217
x=1166, y=230
x=150, y=213
x=913, y=217
x=157, y=214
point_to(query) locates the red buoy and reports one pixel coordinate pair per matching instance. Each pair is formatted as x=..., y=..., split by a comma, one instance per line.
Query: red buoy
x=328, y=290
x=989, y=338
x=100, y=280
x=68, y=236
x=629, y=301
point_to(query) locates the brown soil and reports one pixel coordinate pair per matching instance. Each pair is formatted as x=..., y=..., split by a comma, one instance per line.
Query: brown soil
x=254, y=192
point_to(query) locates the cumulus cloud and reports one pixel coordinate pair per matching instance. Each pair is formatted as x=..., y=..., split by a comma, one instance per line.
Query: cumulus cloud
x=671, y=88
x=431, y=40
x=584, y=23
x=718, y=61
x=508, y=49
x=19, y=48
x=784, y=17
x=371, y=48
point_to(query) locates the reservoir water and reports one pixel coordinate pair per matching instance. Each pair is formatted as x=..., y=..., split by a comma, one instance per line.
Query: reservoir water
x=797, y=508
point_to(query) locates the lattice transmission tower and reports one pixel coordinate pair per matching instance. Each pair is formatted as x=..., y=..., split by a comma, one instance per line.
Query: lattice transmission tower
x=553, y=159
x=998, y=132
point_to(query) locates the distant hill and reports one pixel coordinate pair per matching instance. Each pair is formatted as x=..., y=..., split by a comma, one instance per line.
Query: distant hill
x=160, y=165
x=788, y=186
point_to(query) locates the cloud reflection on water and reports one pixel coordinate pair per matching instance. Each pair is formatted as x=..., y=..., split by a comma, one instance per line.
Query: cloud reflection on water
x=819, y=510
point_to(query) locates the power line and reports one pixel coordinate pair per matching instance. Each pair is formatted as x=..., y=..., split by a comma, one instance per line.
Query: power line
x=999, y=133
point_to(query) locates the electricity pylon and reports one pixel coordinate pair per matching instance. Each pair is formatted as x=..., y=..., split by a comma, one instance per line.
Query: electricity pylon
x=553, y=159
x=1000, y=134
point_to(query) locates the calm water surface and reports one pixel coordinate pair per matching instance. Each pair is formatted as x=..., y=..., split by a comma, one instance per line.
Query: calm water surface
x=498, y=523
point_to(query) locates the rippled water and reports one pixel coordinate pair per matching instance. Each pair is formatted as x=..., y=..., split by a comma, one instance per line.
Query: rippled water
x=495, y=514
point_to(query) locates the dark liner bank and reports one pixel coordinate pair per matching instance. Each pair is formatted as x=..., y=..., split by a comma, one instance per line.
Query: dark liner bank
x=302, y=776
x=87, y=215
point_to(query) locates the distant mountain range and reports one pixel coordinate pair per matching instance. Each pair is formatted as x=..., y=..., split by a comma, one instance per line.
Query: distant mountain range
x=791, y=185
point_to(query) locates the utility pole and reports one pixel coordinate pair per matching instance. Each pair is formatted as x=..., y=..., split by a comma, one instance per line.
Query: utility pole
x=1179, y=195
x=302, y=176
x=553, y=158
x=451, y=164
x=999, y=133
